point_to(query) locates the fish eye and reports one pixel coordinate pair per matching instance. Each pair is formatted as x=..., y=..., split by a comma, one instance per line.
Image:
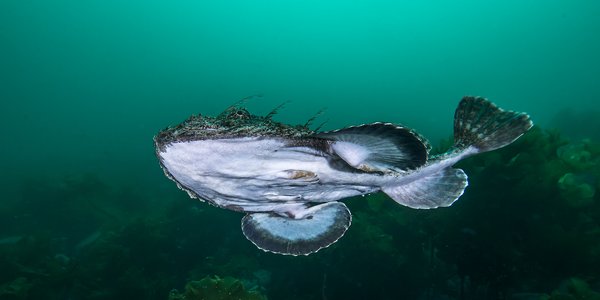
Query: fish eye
x=239, y=113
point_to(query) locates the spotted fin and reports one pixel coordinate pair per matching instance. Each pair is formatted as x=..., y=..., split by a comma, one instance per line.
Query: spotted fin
x=480, y=123
x=378, y=147
x=307, y=232
x=440, y=189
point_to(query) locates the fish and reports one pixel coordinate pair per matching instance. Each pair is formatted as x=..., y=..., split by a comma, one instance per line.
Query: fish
x=288, y=180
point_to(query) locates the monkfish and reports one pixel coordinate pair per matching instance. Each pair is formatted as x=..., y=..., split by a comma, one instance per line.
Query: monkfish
x=288, y=180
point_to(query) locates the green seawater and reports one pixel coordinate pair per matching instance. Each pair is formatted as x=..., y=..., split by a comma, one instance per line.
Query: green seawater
x=87, y=213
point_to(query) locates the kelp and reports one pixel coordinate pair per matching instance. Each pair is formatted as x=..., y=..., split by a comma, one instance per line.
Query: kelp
x=216, y=288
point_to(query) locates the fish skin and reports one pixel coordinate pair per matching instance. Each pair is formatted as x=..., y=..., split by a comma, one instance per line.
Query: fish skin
x=234, y=122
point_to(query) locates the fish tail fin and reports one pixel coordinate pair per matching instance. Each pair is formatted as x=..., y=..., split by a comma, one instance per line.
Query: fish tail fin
x=479, y=126
x=483, y=125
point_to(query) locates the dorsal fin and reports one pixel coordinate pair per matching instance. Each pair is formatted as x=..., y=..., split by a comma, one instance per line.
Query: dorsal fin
x=378, y=147
x=309, y=121
x=275, y=110
x=244, y=100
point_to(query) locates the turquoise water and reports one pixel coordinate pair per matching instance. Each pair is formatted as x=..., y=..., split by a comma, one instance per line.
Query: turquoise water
x=87, y=213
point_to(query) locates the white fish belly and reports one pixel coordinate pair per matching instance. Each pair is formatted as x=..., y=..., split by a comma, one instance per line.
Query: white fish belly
x=259, y=174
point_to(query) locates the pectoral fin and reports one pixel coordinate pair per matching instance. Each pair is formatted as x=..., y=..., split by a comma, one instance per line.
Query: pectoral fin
x=378, y=147
x=307, y=232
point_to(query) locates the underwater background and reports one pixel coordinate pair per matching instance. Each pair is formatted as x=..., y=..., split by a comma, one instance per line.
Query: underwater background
x=87, y=213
